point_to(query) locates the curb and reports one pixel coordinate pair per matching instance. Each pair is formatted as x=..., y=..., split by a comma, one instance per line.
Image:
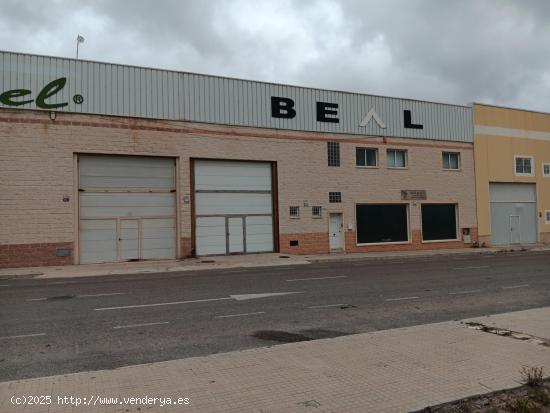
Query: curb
x=476, y=251
x=23, y=276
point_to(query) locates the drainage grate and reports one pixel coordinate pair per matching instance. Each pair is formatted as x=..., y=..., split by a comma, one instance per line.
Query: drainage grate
x=303, y=335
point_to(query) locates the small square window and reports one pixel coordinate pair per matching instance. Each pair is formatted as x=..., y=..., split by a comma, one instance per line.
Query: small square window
x=366, y=157
x=316, y=211
x=524, y=165
x=547, y=217
x=333, y=153
x=396, y=158
x=546, y=170
x=294, y=212
x=451, y=160
x=334, y=197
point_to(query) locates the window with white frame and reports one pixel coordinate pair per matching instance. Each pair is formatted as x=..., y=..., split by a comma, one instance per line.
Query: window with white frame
x=396, y=158
x=451, y=160
x=316, y=211
x=546, y=170
x=366, y=157
x=294, y=212
x=524, y=165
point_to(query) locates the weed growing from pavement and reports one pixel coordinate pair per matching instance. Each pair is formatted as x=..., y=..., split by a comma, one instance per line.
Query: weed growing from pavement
x=532, y=376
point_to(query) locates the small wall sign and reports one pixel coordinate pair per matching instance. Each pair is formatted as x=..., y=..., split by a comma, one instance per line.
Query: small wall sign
x=413, y=194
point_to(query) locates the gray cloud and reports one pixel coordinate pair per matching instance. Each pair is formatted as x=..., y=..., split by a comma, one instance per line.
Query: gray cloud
x=493, y=51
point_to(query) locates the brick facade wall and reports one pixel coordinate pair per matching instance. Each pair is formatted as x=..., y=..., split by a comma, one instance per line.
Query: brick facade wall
x=38, y=172
x=308, y=243
x=34, y=255
x=186, y=247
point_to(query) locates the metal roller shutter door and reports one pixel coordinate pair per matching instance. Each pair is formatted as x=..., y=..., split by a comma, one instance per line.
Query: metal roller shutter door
x=513, y=213
x=233, y=207
x=127, y=208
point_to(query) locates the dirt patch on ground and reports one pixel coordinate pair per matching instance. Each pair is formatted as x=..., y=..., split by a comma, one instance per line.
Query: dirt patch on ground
x=523, y=399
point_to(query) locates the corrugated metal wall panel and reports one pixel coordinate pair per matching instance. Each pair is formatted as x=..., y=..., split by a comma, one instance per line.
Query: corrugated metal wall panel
x=151, y=93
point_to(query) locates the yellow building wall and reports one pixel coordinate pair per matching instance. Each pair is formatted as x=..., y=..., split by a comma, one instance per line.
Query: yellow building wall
x=501, y=134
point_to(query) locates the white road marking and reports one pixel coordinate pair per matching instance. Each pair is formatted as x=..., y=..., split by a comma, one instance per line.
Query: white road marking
x=99, y=295
x=327, y=306
x=317, y=278
x=471, y=268
x=63, y=282
x=239, y=315
x=508, y=287
x=402, y=298
x=465, y=292
x=242, y=297
x=23, y=336
x=161, y=304
x=36, y=299
x=238, y=297
x=142, y=325
x=4, y=285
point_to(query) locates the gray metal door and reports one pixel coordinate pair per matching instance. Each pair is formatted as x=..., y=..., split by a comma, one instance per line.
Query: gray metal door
x=235, y=235
x=515, y=229
x=513, y=213
x=128, y=239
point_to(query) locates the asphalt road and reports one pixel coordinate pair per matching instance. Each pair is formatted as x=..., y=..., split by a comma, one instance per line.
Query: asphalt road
x=56, y=326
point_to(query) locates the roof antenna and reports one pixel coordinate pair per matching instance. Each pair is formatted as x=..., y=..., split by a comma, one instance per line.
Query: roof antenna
x=79, y=39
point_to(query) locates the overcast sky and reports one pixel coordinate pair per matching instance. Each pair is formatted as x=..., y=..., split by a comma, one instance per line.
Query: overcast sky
x=493, y=51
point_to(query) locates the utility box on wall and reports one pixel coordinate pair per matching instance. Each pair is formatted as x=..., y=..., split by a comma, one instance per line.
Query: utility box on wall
x=466, y=235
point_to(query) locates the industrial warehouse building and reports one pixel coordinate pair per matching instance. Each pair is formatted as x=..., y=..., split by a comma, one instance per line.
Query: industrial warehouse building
x=105, y=163
x=512, y=151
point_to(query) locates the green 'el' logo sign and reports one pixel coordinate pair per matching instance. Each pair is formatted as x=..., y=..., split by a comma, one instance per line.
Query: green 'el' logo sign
x=7, y=98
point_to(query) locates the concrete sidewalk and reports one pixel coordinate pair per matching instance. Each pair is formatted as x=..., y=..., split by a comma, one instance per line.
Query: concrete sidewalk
x=226, y=262
x=388, y=371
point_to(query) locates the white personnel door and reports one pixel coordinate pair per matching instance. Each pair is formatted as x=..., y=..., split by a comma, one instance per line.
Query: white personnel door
x=336, y=232
x=127, y=208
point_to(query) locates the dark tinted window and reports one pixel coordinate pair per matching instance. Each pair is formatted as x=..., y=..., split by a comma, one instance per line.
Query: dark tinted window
x=438, y=222
x=366, y=156
x=381, y=223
